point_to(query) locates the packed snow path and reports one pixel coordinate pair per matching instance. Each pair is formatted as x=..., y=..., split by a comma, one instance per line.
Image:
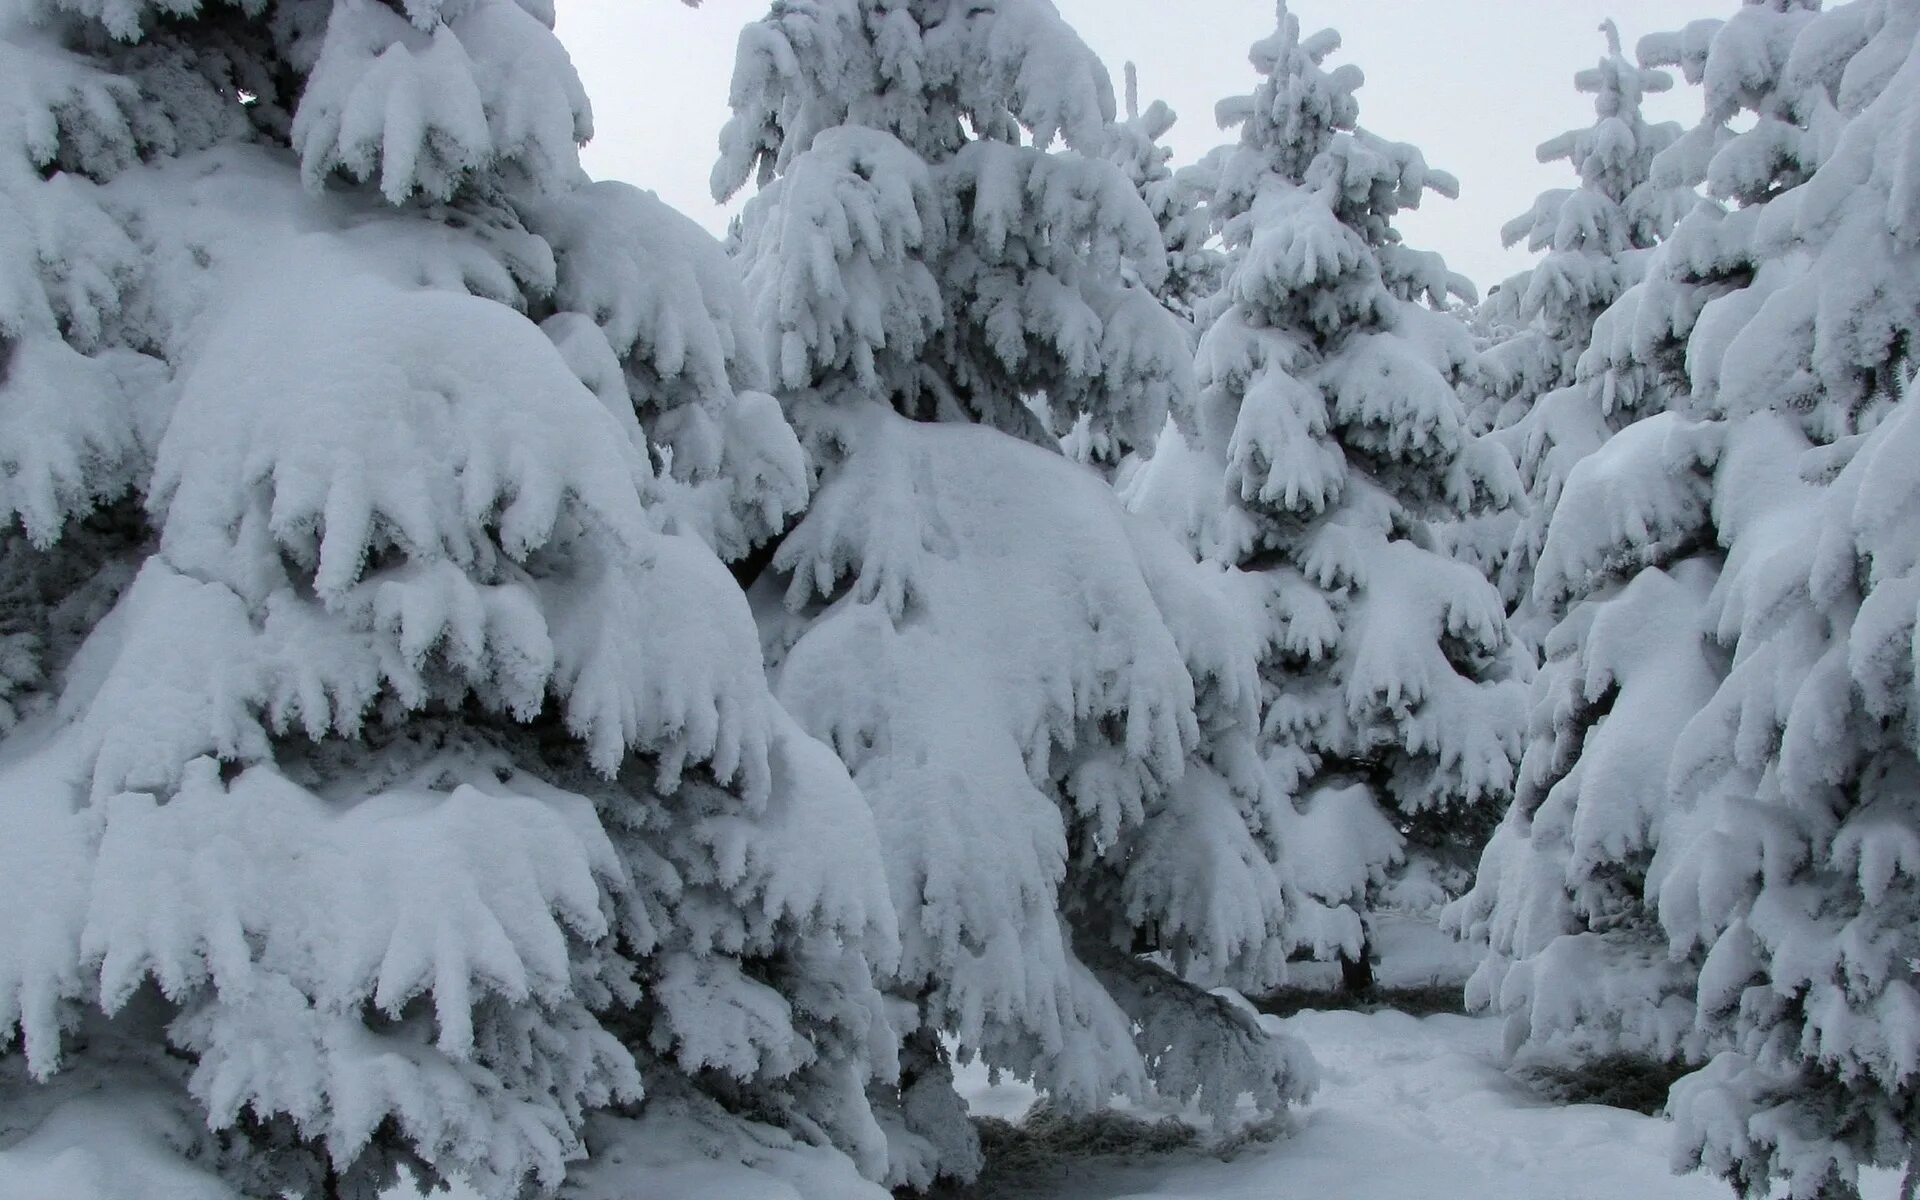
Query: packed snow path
x=1415, y=1109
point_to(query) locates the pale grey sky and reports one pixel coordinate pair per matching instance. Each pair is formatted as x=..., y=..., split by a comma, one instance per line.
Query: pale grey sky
x=1476, y=84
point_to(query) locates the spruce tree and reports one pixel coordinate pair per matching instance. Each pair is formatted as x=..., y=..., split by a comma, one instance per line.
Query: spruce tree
x=1710, y=856
x=1326, y=438
x=1791, y=865
x=1178, y=201
x=1177, y=198
x=1595, y=240
x=1050, y=708
x=1575, y=955
x=389, y=773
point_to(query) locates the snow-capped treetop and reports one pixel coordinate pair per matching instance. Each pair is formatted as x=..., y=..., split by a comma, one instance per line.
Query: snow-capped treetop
x=1820, y=330
x=1329, y=191
x=934, y=75
x=1607, y=157
x=1613, y=211
x=1742, y=65
x=1294, y=114
x=918, y=236
x=1177, y=199
x=1658, y=344
x=1805, y=80
x=1597, y=240
x=1320, y=354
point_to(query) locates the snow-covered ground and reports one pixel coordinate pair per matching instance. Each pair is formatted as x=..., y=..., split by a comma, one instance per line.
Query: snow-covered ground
x=1409, y=1109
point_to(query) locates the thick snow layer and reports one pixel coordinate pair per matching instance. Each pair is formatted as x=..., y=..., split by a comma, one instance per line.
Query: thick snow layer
x=1011, y=665
x=1409, y=950
x=1408, y=1109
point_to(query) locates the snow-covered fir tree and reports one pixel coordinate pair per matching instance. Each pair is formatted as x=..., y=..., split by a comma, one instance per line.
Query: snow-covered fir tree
x=1325, y=439
x=1792, y=862
x=1713, y=854
x=1176, y=198
x=389, y=773
x=1049, y=706
x=1575, y=954
x=1594, y=240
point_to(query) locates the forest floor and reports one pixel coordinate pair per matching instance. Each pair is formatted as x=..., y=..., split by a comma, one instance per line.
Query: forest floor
x=1409, y=1108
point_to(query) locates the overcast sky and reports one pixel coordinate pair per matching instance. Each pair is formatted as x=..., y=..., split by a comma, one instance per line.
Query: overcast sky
x=1476, y=84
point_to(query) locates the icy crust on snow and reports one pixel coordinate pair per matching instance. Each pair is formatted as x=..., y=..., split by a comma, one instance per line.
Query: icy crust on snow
x=1417, y=1108
x=85, y=1141
x=957, y=274
x=1020, y=676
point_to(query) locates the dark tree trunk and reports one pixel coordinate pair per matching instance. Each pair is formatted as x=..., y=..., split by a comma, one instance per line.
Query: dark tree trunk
x=1356, y=974
x=748, y=570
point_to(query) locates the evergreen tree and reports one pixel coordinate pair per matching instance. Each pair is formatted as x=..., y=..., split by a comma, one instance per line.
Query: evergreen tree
x=389, y=773
x=1711, y=854
x=1325, y=439
x=1595, y=239
x=1791, y=865
x=1177, y=200
x=1576, y=957
x=1050, y=708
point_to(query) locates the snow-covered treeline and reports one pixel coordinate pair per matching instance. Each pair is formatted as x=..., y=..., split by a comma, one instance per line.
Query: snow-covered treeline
x=499, y=686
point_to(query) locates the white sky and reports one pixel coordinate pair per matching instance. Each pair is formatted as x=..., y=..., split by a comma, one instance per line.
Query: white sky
x=1476, y=84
